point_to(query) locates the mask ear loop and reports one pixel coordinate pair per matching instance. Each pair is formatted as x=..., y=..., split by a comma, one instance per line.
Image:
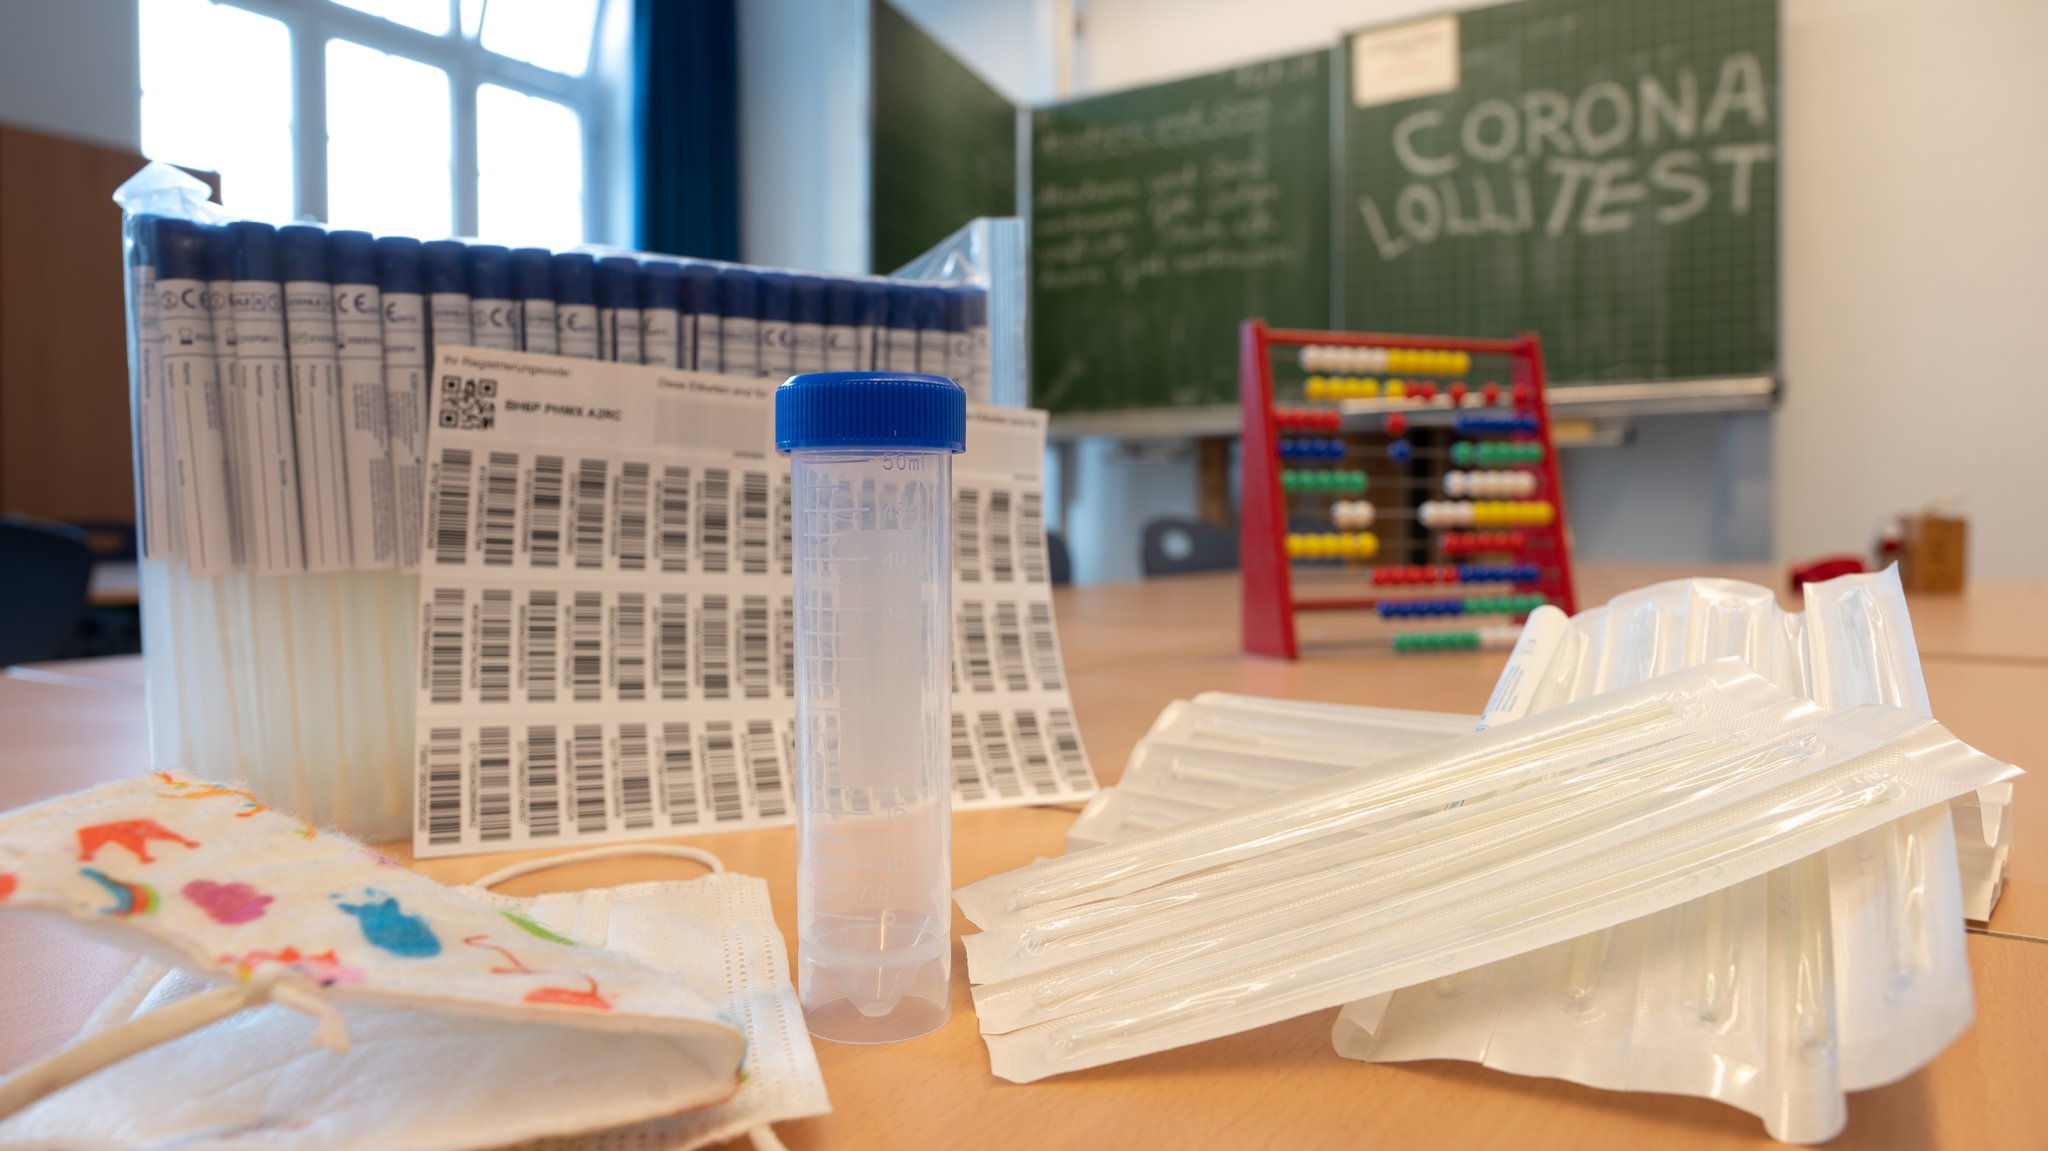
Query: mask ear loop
x=673, y=851
x=762, y=1137
x=179, y=1019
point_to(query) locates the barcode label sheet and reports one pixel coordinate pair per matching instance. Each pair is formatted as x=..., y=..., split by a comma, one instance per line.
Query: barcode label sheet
x=606, y=633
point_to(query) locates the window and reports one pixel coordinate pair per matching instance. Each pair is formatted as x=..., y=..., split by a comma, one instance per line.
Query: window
x=496, y=118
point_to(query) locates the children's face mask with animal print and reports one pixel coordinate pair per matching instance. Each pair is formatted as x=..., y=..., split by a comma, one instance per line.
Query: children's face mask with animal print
x=302, y=991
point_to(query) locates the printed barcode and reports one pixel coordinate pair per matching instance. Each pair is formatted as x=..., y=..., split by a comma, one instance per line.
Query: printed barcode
x=674, y=543
x=629, y=646
x=451, y=508
x=588, y=527
x=714, y=641
x=586, y=646
x=494, y=783
x=783, y=527
x=543, y=806
x=672, y=645
x=754, y=668
x=630, y=532
x=785, y=629
x=764, y=768
x=499, y=529
x=1031, y=534
x=999, y=567
x=714, y=519
x=722, y=773
x=1066, y=747
x=444, y=785
x=1037, y=762
x=967, y=534
x=1045, y=651
x=544, y=513
x=966, y=772
x=586, y=767
x=981, y=674
x=754, y=523
x=678, y=773
x=636, y=787
x=444, y=645
x=995, y=751
x=542, y=626
x=494, y=646
x=1010, y=648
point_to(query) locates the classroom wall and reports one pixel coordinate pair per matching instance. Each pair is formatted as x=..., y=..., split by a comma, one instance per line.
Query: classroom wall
x=1916, y=273
x=1914, y=246
x=804, y=142
x=72, y=69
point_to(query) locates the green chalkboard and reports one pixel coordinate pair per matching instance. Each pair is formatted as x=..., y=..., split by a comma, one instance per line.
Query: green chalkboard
x=1602, y=172
x=1164, y=216
x=945, y=143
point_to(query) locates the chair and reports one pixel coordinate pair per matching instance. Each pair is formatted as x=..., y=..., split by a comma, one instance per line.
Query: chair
x=1058, y=561
x=1177, y=547
x=45, y=572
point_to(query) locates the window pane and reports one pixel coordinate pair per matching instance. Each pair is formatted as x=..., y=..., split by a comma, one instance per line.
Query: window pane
x=553, y=34
x=388, y=143
x=529, y=168
x=217, y=94
x=425, y=15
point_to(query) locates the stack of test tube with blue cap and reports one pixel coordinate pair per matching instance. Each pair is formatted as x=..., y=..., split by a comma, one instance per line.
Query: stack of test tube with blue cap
x=284, y=396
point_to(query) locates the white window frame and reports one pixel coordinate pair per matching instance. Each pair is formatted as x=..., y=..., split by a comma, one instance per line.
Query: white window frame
x=601, y=99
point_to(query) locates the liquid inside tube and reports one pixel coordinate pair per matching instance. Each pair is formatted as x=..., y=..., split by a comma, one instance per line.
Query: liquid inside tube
x=874, y=953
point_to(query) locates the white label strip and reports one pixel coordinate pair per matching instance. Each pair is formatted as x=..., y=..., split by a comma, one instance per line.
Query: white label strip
x=606, y=636
x=359, y=328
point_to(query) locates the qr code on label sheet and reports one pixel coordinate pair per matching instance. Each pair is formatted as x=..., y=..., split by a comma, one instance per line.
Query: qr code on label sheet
x=468, y=404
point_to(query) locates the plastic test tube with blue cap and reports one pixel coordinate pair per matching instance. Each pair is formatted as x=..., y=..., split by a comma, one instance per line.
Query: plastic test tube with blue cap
x=211, y=535
x=806, y=324
x=493, y=319
x=661, y=313
x=156, y=501
x=983, y=372
x=366, y=434
x=220, y=276
x=446, y=264
x=533, y=289
x=932, y=332
x=268, y=444
x=843, y=327
x=576, y=305
x=871, y=459
x=896, y=338
x=739, y=325
x=405, y=384
x=618, y=309
x=316, y=397
x=773, y=309
x=699, y=339
x=960, y=344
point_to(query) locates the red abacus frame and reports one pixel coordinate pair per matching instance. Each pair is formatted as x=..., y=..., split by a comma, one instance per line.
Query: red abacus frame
x=1269, y=603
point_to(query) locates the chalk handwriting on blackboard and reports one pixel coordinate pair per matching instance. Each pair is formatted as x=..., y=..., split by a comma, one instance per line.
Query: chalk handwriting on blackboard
x=1511, y=167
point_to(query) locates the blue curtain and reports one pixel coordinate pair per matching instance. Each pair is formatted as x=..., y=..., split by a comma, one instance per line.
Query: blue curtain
x=685, y=55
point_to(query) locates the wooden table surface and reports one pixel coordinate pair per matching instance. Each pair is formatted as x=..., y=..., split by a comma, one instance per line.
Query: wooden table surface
x=1131, y=649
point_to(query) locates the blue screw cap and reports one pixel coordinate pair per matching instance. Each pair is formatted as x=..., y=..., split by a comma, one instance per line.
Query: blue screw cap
x=870, y=410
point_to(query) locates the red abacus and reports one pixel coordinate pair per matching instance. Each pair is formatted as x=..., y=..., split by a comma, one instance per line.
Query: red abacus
x=1410, y=564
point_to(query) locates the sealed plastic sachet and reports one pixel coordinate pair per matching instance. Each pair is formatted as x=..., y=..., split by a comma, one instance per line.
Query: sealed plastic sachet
x=1528, y=834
